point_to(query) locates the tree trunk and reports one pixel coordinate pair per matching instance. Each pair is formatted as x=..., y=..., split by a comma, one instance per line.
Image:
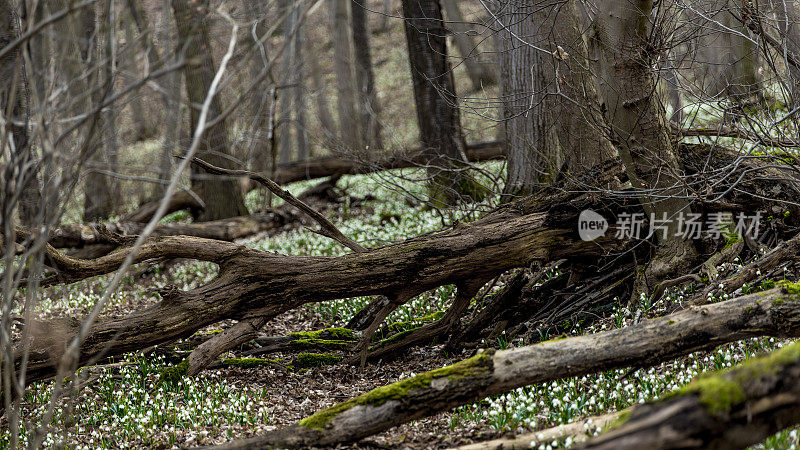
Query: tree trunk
x=222, y=197
x=774, y=313
x=365, y=78
x=551, y=108
x=98, y=187
x=480, y=74
x=321, y=100
x=14, y=100
x=788, y=21
x=639, y=131
x=728, y=59
x=349, y=126
x=437, y=105
x=729, y=409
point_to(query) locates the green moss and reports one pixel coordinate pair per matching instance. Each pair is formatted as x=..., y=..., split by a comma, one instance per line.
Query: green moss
x=790, y=288
x=671, y=321
x=337, y=334
x=778, y=302
x=719, y=391
x=247, y=363
x=321, y=343
x=175, y=373
x=396, y=338
x=478, y=364
x=309, y=360
x=411, y=324
x=623, y=417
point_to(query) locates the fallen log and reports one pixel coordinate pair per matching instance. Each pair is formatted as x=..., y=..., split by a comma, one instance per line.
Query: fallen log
x=81, y=235
x=730, y=409
x=335, y=165
x=771, y=313
x=326, y=167
x=254, y=286
x=253, y=283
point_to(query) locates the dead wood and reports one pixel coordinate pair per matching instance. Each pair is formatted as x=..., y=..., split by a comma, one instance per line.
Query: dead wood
x=253, y=285
x=81, y=235
x=731, y=409
x=771, y=313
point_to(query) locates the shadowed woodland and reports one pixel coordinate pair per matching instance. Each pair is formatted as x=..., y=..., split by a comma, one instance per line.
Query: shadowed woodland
x=477, y=224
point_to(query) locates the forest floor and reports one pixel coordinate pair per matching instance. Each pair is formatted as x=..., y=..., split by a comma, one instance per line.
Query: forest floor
x=124, y=404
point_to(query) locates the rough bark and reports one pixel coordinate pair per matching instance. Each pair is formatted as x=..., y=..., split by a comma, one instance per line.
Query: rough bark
x=775, y=312
x=550, y=106
x=222, y=196
x=251, y=281
x=727, y=58
x=14, y=101
x=639, y=131
x=731, y=409
x=436, y=103
x=787, y=18
x=369, y=109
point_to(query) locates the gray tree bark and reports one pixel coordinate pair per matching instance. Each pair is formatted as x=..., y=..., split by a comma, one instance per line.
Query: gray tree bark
x=369, y=107
x=349, y=126
x=222, y=196
x=437, y=105
x=639, y=130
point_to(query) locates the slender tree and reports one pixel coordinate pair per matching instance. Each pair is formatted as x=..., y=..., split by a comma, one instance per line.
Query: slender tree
x=365, y=78
x=437, y=105
x=349, y=126
x=14, y=105
x=222, y=196
x=480, y=73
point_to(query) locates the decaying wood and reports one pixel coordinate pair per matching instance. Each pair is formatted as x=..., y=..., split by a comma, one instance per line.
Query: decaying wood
x=251, y=280
x=253, y=283
x=328, y=229
x=773, y=313
x=80, y=235
x=731, y=410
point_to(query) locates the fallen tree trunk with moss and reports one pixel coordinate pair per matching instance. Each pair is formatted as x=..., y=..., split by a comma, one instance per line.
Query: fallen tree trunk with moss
x=771, y=313
x=253, y=286
x=731, y=409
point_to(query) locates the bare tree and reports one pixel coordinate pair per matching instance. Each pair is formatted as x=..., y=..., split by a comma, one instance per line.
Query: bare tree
x=438, y=115
x=639, y=130
x=349, y=126
x=369, y=108
x=480, y=73
x=550, y=105
x=222, y=197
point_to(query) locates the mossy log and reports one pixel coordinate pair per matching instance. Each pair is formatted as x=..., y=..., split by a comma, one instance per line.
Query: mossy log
x=254, y=286
x=253, y=283
x=731, y=409
x=773, y=313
